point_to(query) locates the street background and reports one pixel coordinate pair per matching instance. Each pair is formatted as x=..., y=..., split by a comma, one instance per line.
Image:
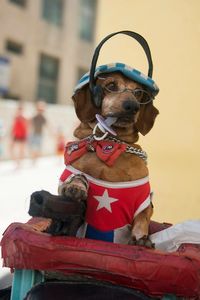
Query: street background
x=16, y=187
x=172, y=29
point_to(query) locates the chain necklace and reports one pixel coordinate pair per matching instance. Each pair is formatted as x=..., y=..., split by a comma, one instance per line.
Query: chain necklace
x=129, y=149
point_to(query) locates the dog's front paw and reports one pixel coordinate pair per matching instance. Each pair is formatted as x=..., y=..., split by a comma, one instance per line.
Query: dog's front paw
x=75, y=187
x=75, y=192
x=144, y=241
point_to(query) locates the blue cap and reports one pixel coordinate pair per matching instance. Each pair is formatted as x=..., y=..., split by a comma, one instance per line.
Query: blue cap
x=124, y=69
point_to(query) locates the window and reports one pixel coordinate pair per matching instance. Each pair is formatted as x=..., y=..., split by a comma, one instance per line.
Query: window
x=48, y=78
x=14, y=47
x=19, y=2
x=52, y=11
x=87, y=19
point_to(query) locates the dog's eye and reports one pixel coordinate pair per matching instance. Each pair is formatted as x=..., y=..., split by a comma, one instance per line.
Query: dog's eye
x=138, y=94
x=142, y=96
x=111, y=87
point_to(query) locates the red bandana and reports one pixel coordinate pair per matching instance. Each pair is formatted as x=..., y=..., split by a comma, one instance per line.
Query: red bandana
x=107, y=151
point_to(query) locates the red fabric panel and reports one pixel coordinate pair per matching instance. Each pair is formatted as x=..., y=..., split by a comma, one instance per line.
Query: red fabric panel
x=151, y=271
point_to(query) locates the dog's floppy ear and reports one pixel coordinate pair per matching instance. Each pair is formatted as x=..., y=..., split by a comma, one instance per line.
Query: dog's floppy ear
x=85, y=109
x=146, y=118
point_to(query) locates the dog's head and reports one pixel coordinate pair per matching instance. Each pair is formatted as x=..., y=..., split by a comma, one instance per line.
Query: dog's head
x=121, y=97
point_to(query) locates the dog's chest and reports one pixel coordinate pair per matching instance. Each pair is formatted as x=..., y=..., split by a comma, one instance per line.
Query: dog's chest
x=127, y=167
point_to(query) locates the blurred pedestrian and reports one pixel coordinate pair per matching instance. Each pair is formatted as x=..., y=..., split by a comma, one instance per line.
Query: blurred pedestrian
x=60, y=144
x=19, y=135
x=37, y=125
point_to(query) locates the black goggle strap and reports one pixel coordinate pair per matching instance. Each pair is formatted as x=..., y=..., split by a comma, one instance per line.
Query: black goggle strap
x=132, y=34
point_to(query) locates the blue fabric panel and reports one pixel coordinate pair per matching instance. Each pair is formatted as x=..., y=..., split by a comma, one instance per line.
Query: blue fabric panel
x=94, y=234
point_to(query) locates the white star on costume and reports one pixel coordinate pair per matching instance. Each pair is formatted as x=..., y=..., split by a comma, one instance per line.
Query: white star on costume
x=105, y=201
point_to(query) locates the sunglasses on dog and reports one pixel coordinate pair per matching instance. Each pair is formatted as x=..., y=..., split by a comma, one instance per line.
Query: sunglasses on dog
x=140, y=95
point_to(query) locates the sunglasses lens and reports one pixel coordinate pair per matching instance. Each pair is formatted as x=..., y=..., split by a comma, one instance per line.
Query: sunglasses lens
x=138, y=94
x=142, y=96
x=112, y=88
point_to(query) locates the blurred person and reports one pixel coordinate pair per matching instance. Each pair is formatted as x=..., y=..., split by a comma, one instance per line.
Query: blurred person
x=37, y=124
x=60, y=143
x=19, y=135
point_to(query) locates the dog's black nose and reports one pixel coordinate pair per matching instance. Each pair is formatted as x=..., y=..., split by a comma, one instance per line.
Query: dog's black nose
x=131, y=106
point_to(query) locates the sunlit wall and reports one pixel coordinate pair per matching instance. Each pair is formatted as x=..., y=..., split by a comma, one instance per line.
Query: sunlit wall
x=172, y=29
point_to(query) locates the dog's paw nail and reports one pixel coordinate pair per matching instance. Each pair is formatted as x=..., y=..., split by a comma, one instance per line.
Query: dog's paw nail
x=141, y=242
x=132, y=242
x=71, y=189
x=145, y=242
x=75, y=191
x=83, y=195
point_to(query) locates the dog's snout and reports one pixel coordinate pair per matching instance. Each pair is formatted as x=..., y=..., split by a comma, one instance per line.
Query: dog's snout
x=130, y=106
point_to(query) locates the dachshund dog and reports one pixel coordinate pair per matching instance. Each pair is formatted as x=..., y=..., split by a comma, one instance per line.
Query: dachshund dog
x=117, y=163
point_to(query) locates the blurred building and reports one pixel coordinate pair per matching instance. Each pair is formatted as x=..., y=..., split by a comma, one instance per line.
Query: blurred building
x=45, y=46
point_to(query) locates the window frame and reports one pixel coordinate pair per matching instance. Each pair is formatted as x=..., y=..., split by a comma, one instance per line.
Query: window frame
x=20, y=3
x=87, y=20
x=14, y=47
x=48, y=84
x=49, y=11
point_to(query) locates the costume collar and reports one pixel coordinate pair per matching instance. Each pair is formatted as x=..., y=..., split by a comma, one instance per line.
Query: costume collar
x=107, y=150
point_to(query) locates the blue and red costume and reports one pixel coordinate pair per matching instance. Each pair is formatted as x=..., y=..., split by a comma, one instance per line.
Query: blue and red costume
x=111, y=206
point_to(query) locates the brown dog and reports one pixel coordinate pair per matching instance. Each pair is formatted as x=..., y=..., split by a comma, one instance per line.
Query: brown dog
x=122, y=98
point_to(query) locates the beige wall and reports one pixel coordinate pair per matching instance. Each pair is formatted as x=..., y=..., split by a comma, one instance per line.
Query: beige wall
x=172, y=29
